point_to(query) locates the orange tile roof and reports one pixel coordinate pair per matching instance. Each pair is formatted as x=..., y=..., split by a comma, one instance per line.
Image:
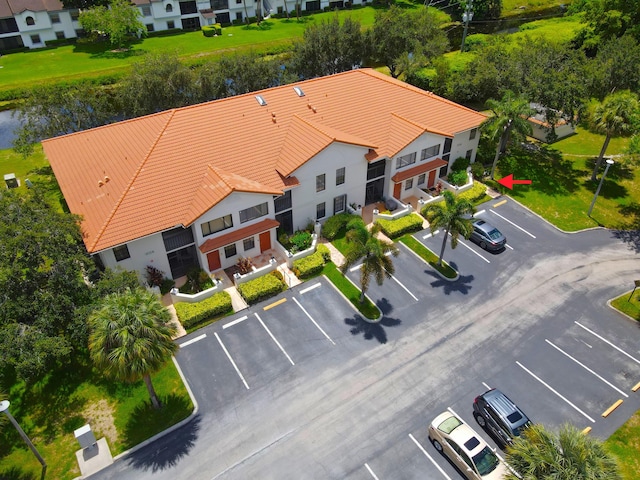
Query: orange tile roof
x=413, y=171
x=169, y=168
x=239, y=234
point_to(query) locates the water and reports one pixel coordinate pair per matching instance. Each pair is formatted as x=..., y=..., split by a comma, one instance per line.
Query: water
x=8, y=124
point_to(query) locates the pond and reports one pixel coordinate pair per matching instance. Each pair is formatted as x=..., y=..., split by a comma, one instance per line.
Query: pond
x=8, y=123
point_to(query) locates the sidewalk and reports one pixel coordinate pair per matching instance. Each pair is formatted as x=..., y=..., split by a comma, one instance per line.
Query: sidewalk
x=336, y=256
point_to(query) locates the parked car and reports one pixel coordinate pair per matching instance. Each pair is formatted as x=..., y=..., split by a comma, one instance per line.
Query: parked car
x=464, y=447
x=487, y=236
x=498, y=415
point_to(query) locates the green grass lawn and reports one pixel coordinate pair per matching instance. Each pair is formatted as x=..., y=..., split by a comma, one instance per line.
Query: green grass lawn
x=628, y=306
x=50, y=410
x=349, y=290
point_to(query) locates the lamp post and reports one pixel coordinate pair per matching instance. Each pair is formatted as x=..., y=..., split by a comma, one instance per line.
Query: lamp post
x=4, y=407
x=467, y=16
x=593, y=202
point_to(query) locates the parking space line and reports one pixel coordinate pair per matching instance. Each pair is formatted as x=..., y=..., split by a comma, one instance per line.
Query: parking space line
x=517, y=226
x=193, y=340
x=430, y=234
x=508, y=246
x=274, y=338
x=308, y=289
x=499, y=203
x=586, y=368
x=486, y=386
x=231, y=360
x=311, y=318
x=371, y=471
x=607, y=341
x=460, y=242
x=407, y=290
x=232, y=323
x=274, y=304
x=419, y=445
x=479, y=213
x=554, y=391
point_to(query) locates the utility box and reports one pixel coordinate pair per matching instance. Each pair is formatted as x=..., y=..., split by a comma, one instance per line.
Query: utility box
x=11, y=180
x=85, y=436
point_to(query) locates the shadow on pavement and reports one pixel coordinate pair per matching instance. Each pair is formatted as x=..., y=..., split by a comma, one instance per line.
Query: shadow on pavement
x=370, y=330
x=462, y=284
x=630, y=237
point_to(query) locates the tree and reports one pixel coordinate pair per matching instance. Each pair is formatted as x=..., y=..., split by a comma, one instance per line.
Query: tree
x=244, y=73
x=606, y=19
x=131, y=337
x=120, y=22
x=83, y=4
x=616, y=115
x=509, y=119
x=482, y=9
x=329, y=47
x=567, y=455
x=453, y=215
x=615, y=67
x=363, y=244
x=400, y=39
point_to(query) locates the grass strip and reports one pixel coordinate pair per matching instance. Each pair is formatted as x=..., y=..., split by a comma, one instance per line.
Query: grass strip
x=427, y=255
x=629, y=307
x=349, y=290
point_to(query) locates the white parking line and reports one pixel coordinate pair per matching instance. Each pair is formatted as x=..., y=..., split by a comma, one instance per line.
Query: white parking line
x=311, y=318
x=460, y=242
x=371, y=472
x=486, y=386
x=274, y=338
x=607, y=341
x=479, y=213
x=429, y=457
x=308, y=289
x=193, y=340
x=407, y=290
x=586, y=368
x=231, y=360
x=554, y=391
x=237, y=320
x=430, y=234
x=517, y=226
x=508, y=246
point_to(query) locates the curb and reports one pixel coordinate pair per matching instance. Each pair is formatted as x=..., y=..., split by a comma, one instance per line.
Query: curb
x=368, y=320
x=429, y=265
x=636, y=322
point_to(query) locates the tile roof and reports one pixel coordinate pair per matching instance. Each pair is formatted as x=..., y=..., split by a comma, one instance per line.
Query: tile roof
x=413, y=171
x=239, y=234
x=19, y=6
x=169, y=168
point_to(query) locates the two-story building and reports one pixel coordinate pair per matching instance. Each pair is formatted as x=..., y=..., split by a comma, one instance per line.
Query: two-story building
x=206, y=184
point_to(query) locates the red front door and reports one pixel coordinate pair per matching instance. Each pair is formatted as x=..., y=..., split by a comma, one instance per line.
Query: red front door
x=214, y=260
x=397, y=189
x=265, y=241
x=432, y=179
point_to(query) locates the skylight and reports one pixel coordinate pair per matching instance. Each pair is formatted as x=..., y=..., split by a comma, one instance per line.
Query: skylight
x=299, y=91
x=261, y=100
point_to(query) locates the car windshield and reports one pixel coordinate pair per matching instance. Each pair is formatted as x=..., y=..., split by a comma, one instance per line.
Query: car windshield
x=486, y=461
x=449, y=425
x=494, y=234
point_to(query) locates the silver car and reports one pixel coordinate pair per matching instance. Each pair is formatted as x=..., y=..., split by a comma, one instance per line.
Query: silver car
x=487, y=236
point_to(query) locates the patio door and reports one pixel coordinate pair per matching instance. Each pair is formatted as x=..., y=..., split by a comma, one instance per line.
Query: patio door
x=265, y=241
x=213, y=258
x=374, y=191
x=397, y=188
x=432, y=179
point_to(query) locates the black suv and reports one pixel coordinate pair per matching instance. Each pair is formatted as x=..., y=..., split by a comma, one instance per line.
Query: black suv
x=499, y=416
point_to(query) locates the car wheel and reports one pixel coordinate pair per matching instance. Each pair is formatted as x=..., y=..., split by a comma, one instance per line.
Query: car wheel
x=483, y=245
x=481, y=421
x=437, y=445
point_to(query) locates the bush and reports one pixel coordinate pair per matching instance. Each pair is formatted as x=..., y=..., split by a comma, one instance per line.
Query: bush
x=244, y=265
x=197, y=281
x=475, y=194
x=301, y=241
x=460, y=163
x=477, y=169
x=191, y=314
x=400, y=226
x=324, y=251
x=166, y=285
x=334, y=224
x=313, y=264
x=154, y=276
x=212, y=30
x=458, y=177
x=261, y=288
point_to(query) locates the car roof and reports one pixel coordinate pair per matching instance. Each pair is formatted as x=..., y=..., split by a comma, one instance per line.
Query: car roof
x=484, y=226
x=505, y=407
x=462, y=434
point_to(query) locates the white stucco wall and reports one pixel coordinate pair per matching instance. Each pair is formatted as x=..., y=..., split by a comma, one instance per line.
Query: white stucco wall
x=461, y=143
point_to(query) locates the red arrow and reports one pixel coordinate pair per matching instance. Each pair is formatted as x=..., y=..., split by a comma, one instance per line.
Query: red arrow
x=509, y=182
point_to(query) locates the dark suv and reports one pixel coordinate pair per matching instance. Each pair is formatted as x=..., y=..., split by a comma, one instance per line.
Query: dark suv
x=499, y=416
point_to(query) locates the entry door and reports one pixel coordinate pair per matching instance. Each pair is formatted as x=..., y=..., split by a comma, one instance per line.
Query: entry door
x=265, y=241
x=432, y=178
x=214, y=260
x=397, y=189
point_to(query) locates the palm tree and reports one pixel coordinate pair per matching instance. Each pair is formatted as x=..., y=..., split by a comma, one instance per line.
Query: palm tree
x=509, y=119
x=364, y=244
x=131, y=337
x=454, y=215
x=615, y=116
x=569, y=455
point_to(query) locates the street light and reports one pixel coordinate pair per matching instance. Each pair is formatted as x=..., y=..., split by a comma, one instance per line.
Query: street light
x=606, y=169
x=4, y=407
x=467, y=16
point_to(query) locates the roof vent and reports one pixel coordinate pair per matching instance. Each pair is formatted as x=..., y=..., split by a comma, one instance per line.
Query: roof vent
x=261, y=100
x=106, y=179
x=298, y=91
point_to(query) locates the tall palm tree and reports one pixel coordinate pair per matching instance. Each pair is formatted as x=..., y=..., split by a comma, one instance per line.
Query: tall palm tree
x=567, y=455
x=509, y=118
x=616, y=115
x=131, y=337
x=454, y=216
x=374, y=252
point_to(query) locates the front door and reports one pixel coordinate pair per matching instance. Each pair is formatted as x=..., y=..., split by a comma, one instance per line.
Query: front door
x=374, y=191
x=213, y=258
x=397, y=189
x=432, y=179
x=265, y=241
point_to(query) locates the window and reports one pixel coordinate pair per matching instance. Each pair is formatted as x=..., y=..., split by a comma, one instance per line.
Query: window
x=219, y=4
x=188, y=7
x=405, y=160
x=375, y=170
x=150, y=27
x=339, y=204
x=171, y=25
x=468, y=154
x=249, y=243
x=238, y=15
x=60, y=35
x=54, y=17
x=177, y=238
x=8, y=25
x=408, y=185
x=238, y=1
x=447, y=146
x=473, y=133
x=340, y=176
x=421, y=178
x=75, y=14
x=320, y=211
x=35, y=39
x=217, y=225
x=146, y=10
x=230, y=251
x=30, y=21
x=80, y=32
x=283, y=202
x=121, y=253
x=254, y=212
x=430, y=152
x=320, y=183
x=168, y=9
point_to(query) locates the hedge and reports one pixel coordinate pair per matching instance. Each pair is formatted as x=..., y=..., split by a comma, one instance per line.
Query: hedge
x=476, y=194
x=211, y=30
x=312, y=264
x=400, y=226
x=333, y=224
x=261, y=288
x=191, y=314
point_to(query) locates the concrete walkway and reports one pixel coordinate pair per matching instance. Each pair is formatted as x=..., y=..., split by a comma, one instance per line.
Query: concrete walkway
x=336, y=256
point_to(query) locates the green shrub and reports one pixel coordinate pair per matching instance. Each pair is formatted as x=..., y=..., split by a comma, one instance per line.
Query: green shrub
x=191, y=314
x=300, y=241
x=476, y=194
x=261, y=288
x=400, y=226
x=458, y=177
x=209, y=30
x=313, y=264
x=324, y=251
x=477, y=169
x=166, y=285
x=333, y=224
x=197, y=281
x=460, y=163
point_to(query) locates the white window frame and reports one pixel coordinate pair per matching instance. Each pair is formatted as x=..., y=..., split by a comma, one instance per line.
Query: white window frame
x=429, y=152
x=405, y=160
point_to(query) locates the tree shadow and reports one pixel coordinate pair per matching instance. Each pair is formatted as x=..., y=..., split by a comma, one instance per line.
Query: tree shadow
x=370, y=330
x=460, y=285
x=154, y=458
x=610, y=189
x=15, y=473
x=107, y=51
x=385, y=306
x=630, y=237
